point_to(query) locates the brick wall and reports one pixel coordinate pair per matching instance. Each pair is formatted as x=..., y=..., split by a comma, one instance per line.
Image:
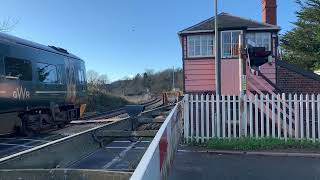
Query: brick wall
x=291, y=79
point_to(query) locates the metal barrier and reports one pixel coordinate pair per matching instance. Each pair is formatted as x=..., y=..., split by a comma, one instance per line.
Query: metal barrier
x=158, y=158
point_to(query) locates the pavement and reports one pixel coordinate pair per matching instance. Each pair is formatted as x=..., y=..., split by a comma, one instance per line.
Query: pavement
x=200, y=165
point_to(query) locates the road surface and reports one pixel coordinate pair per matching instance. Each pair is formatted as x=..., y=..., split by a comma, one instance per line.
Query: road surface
x=206, y=166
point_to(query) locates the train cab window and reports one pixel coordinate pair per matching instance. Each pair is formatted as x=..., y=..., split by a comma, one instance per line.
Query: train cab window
x=47, y=73
x=81, y=76
x=18, y=69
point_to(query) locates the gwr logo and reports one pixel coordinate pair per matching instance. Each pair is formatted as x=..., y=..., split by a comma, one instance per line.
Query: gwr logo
x=21, y=94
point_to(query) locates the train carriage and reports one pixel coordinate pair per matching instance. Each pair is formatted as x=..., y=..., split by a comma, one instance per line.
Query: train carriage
x=40, y=86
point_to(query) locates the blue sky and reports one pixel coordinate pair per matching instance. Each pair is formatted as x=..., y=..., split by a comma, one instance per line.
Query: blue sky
x=124, y=37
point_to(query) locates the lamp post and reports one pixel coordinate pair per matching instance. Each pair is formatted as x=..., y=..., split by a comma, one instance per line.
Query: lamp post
x=217, y=52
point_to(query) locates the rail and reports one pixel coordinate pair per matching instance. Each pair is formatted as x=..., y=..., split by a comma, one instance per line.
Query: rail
x=157, y=160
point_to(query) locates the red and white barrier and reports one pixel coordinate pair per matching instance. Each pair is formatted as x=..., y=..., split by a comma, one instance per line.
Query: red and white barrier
x=158, y=158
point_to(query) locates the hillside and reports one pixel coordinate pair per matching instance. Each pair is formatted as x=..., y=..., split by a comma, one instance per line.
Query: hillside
x=153, y=83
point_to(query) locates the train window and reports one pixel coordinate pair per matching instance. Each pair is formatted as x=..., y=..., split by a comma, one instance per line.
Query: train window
x=47, y=73
x=18, y=69
x=81, y=76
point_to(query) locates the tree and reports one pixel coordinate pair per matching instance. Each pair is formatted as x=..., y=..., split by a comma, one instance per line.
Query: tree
x=8, y=24
x=103, y=79
x=92, y=77
x=301, y=45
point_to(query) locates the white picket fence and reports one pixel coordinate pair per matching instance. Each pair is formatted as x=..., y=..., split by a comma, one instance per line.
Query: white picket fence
x=279, y=116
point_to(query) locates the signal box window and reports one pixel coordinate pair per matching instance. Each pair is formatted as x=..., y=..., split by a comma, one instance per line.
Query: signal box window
x=18, y=69
x=47, y=73
x=230, y=44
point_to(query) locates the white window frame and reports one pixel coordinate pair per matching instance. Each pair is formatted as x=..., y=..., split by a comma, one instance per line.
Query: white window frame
x=222, y=47
x=194, y=46
x=256, y=35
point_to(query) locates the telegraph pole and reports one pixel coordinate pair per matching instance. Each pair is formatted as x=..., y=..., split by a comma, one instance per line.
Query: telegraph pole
x=217, y=52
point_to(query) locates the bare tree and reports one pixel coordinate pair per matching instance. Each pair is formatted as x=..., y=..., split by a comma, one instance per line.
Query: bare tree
x=92, y=77
x=8, y=24
x=103, y=79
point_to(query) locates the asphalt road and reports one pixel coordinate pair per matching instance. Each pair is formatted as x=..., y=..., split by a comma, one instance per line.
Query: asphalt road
x=207, y=166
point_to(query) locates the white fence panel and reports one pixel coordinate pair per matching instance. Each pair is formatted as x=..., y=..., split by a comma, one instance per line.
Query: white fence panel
x=278, y=116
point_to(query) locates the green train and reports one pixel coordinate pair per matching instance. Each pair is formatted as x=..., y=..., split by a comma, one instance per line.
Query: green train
x=41, y=87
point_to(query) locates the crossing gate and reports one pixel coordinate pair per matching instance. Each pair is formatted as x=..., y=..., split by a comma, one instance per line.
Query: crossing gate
x=158, y=158
x=278, y=116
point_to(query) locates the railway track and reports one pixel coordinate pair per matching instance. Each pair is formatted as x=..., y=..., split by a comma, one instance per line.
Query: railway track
x=13, y=144
x=119, y=111
x=116, y=146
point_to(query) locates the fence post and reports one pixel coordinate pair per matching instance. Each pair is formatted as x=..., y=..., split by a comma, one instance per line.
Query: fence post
x=318, y=112
x=251, y=115
x=313, y=116
x=223, y=110
x=191, y=119
x=273, y=117
x=229, y=117
x=234, y=116
x=267, y=116
x=296, y=118
x=218, y=115
x=256, y=113
x=262, y=115
x=307, y=117
x=301, y=117
x=278, y=115
x=245, y=123
x=197, y=118
x=186, y=118
x=290, y=115
x=207, y=117
x=213, y=132
x=284, y=108
x=202, y=118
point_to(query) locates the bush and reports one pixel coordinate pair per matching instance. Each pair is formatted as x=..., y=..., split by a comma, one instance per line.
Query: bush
x=100, y=101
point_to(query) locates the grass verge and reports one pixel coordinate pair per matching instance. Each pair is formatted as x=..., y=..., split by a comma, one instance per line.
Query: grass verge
x=260, y=144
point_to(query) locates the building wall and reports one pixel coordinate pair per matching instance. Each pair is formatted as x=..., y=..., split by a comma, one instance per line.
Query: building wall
x=200, y=76
x=293, y=80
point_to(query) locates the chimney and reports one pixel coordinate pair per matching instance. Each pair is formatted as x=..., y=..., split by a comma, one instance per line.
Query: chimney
x=269, y=11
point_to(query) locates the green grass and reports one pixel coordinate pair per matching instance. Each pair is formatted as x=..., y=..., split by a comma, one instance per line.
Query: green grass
x=259, y=144
x=101, y=101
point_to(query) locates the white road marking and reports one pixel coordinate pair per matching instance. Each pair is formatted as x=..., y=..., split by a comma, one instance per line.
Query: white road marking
x=120, y=156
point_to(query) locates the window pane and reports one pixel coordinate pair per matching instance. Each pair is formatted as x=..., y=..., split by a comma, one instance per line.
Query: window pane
x=204, y=46
x=47, y=73
x=200, y=45
x=235, y=43
x=226, y=44
x=190, y=47
x=18, y=69
x=197, y=43
x=251, y=39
